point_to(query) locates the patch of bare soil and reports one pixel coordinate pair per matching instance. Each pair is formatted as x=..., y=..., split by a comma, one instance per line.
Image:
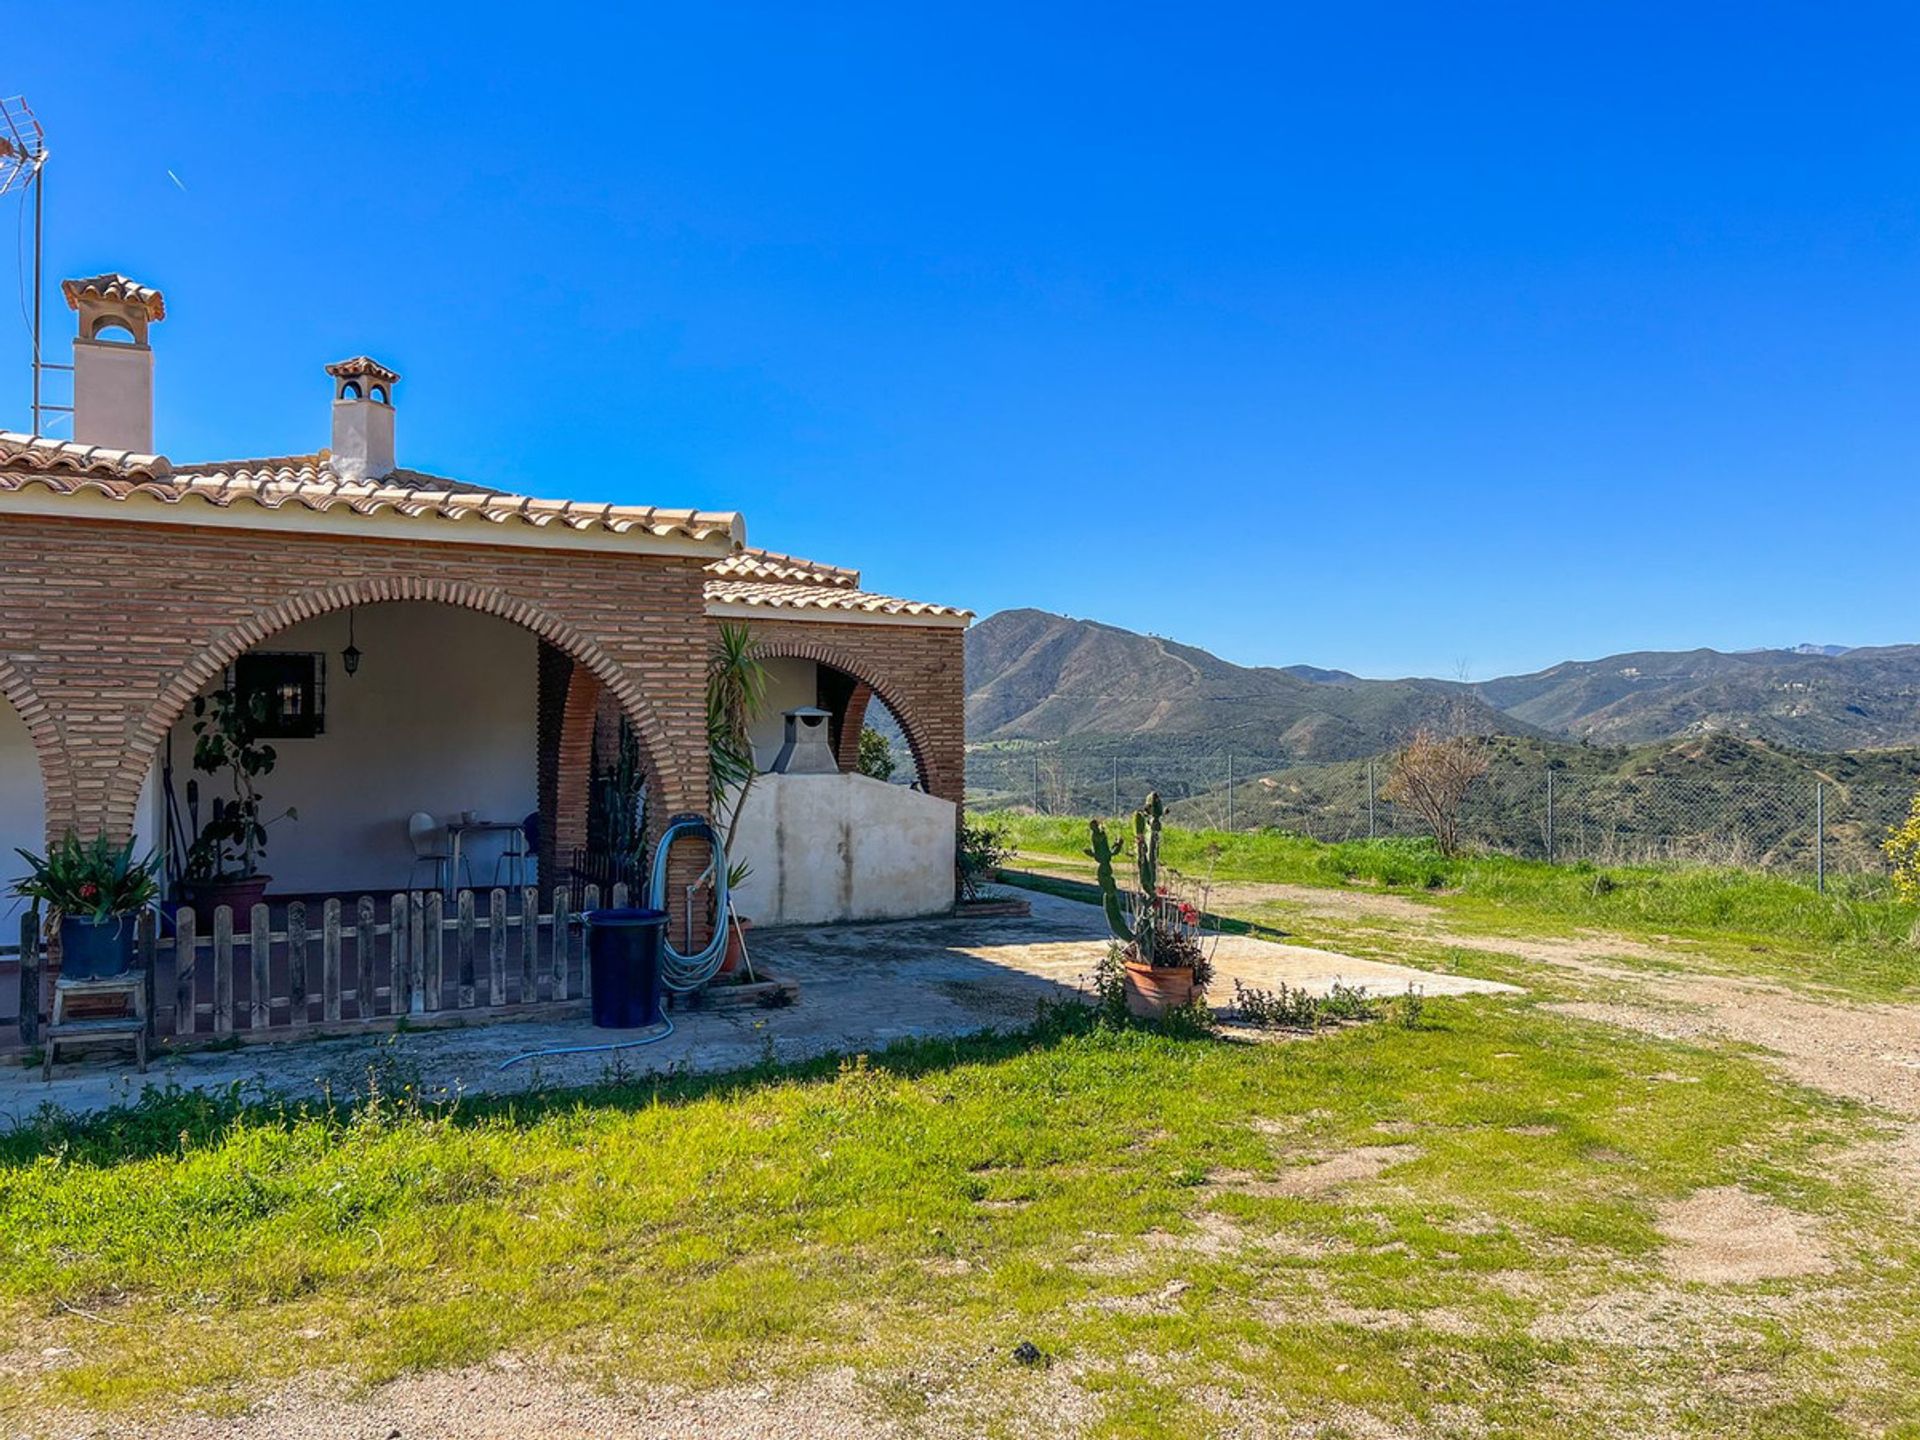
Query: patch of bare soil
x=1661, y=1317
x=506, y=1400
x=1321, y=1177
x=1324, y=1306
x=1212, y=1235
x=1164, y=1301
x=1729, y=1236
x=1330, y=904
x=1869, y=1053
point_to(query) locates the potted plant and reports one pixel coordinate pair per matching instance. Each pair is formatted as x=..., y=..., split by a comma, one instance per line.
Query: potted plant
x=223, y=864
x=92, y=891
x=1157, y=935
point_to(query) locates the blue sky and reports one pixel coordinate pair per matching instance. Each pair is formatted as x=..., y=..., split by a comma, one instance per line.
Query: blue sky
x=1403, y=339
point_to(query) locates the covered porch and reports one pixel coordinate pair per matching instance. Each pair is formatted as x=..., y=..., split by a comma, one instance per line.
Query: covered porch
x=450, y=791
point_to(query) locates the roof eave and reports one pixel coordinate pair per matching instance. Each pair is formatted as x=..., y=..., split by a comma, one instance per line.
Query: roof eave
x=705, y=535
x=820, y=615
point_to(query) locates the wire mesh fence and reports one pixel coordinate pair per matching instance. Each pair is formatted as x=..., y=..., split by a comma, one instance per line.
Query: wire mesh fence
x=1534, y=811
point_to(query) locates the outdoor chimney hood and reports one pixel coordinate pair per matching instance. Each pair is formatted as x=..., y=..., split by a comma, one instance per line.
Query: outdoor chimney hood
x=806, y=751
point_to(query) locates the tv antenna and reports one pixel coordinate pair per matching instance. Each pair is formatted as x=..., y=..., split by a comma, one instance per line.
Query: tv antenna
x=23, y=163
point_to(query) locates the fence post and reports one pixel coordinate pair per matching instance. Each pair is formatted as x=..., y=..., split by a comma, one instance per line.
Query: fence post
x=1371, y=833
x=184, y=942
x=1229, y=790
x=30, y=954
x=1549, y=816
x=1820, y=836
x=297, y=962
x=1036, y=783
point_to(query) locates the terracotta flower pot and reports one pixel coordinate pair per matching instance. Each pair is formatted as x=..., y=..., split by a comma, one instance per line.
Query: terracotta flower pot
x=1153, y=990
x=736, y=945
x=238, y=895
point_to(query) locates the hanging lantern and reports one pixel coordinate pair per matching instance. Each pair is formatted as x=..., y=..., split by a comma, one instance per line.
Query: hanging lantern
x=350, y=657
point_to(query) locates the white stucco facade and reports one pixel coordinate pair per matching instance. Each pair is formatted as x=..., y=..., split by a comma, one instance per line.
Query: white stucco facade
x=790, y=684
x=22, y=803
x=440, y=717
x=843, y=847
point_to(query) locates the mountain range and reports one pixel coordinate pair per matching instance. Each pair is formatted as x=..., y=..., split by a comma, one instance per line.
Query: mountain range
x=1033, y=675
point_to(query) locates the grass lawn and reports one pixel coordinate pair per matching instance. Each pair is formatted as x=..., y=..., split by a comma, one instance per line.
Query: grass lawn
x=1466, y=1227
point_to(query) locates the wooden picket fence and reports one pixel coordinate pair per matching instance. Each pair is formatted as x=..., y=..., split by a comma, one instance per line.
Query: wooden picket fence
x=368, y=964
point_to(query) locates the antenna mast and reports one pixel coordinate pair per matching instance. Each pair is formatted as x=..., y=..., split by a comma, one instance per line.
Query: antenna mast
x=23, y=160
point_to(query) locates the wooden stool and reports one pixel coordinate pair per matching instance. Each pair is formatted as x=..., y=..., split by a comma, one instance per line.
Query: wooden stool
x=132, y=987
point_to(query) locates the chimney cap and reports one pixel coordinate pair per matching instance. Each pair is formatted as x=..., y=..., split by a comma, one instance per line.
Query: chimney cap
x=117, y=288
x=362, y=367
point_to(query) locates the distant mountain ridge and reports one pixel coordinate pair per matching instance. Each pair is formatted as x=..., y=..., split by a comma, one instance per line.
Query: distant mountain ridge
x=1033, y=675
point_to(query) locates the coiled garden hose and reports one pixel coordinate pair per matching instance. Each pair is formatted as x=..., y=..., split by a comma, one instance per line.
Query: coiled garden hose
x=678, y=972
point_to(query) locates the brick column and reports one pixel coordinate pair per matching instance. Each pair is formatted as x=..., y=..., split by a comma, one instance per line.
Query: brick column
x=851, y=720
x=569, y=701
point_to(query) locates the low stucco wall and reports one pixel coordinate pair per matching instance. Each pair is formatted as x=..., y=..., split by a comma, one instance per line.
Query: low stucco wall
x=843, y=847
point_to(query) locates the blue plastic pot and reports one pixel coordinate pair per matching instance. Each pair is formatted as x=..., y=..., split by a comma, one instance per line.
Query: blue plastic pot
x=623, y=961
x=95, y=950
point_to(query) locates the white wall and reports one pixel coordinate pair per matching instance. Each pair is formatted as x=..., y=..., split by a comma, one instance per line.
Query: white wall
x=23, y=822
x=843, y=847
x=439, y=718
x=790, y=685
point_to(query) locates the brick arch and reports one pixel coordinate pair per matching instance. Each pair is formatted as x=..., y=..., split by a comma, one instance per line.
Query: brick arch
x=931, y=778
x=56, y=783
x=147, y=733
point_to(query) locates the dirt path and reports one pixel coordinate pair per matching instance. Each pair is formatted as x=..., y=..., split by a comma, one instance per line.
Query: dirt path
x=507, y=1399
x=1404, y=914
x=1865, y=1052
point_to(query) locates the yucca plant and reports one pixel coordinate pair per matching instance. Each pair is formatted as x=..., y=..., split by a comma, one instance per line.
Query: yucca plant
x=93, y=879
x=736, y=697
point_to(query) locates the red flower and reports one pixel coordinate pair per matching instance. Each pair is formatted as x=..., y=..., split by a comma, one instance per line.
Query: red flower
x=1189, y=915
x=89, y=890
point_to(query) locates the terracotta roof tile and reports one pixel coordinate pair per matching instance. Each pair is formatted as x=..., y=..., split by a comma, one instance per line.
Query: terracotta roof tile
x=362, y=367
x=114, y=287
x=306, y=482
x=40, y=455
x=317, y=469
x=750, y=563
x=827, y=598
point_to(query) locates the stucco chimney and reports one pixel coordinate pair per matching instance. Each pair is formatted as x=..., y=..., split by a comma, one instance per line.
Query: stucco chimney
x=362, y=418
x=112, y=362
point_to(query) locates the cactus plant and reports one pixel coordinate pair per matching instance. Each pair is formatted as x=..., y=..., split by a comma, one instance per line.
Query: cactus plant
x=1133, y=925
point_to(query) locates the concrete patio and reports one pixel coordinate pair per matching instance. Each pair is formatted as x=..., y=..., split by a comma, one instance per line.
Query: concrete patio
x=862, y=987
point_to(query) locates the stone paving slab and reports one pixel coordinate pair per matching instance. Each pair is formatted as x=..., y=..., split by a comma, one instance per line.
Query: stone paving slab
x=861, y=988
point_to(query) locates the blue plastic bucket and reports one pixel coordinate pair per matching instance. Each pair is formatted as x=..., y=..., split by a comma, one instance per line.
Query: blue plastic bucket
x=623, y=965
